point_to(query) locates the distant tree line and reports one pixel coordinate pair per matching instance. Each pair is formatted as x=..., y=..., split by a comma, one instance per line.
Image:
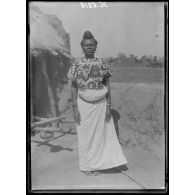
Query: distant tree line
x=132, y=60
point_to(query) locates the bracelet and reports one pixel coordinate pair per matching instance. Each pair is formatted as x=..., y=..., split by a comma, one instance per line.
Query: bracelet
x=74, y=105
x=108, y=104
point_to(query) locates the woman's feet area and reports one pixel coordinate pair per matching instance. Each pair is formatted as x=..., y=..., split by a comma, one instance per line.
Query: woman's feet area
x=96, y=173
x=90, y=173
x=87, y=173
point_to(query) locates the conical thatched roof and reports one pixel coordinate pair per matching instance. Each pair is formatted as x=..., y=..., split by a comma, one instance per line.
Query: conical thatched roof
x=47, y=33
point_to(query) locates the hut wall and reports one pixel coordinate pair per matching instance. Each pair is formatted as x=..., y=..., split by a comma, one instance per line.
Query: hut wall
x=57, y=68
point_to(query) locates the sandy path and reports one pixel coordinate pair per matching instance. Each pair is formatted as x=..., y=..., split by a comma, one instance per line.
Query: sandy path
x=55, y=166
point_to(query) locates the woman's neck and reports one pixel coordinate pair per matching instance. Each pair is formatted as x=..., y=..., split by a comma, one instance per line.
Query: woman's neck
x=89, y=57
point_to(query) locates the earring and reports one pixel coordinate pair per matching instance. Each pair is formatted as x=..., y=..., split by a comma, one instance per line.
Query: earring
x=82, y=53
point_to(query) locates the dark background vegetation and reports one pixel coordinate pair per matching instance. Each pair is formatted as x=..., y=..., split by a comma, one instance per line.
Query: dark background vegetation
x=144, y=69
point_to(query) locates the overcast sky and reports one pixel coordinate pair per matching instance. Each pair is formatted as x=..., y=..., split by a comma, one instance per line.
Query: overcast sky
x=130, y=28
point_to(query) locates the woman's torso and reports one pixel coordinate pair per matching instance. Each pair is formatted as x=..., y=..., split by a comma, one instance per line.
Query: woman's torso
x=89, y=73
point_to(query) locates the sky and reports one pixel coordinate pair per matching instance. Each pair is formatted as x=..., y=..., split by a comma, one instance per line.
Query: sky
x=121, y=27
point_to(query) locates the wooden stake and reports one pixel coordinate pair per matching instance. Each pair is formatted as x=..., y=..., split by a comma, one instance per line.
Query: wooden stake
x=43, y=122
x=47, y=129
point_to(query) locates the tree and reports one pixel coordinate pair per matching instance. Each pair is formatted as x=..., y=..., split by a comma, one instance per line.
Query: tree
x=133, y=59
x=122, y=57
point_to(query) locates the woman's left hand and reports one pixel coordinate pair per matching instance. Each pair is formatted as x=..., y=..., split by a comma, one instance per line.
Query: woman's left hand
x=108, y=113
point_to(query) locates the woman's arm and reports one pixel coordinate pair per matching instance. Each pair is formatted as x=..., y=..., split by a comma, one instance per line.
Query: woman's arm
x=108, y=97
x=74, y=93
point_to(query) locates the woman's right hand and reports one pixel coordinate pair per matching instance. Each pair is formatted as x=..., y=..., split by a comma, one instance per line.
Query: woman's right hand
x=76, y=114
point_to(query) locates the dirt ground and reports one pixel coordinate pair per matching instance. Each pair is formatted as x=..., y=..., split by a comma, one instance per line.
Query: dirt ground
x=138, y=111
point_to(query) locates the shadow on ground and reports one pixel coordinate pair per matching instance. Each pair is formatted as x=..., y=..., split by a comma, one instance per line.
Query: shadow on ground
x=118, y=169
x=53, y=148
x=116, y=117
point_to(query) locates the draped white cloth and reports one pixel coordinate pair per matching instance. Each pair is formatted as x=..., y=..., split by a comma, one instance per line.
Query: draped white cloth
x=98, y=144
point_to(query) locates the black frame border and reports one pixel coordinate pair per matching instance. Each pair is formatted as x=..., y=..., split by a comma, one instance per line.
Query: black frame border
x=166, y=113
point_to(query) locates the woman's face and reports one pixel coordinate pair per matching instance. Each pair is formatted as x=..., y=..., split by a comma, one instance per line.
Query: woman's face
x=89, y=47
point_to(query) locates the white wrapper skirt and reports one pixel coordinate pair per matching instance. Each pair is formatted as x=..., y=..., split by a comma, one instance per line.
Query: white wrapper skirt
x=98, y=144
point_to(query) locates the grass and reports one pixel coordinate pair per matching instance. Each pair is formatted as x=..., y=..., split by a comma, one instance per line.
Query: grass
x=137, y=74
x=141, y=110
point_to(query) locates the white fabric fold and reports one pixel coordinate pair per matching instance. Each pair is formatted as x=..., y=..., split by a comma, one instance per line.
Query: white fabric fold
x=99, y=147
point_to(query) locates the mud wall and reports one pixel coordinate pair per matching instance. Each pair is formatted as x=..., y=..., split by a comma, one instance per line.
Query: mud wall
x=57, y=67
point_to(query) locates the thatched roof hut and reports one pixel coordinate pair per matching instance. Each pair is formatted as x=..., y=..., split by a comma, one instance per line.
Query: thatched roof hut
x=50, y=60
x=47, y=33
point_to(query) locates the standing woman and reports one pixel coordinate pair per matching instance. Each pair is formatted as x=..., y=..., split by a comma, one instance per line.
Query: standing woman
x=98, y=144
